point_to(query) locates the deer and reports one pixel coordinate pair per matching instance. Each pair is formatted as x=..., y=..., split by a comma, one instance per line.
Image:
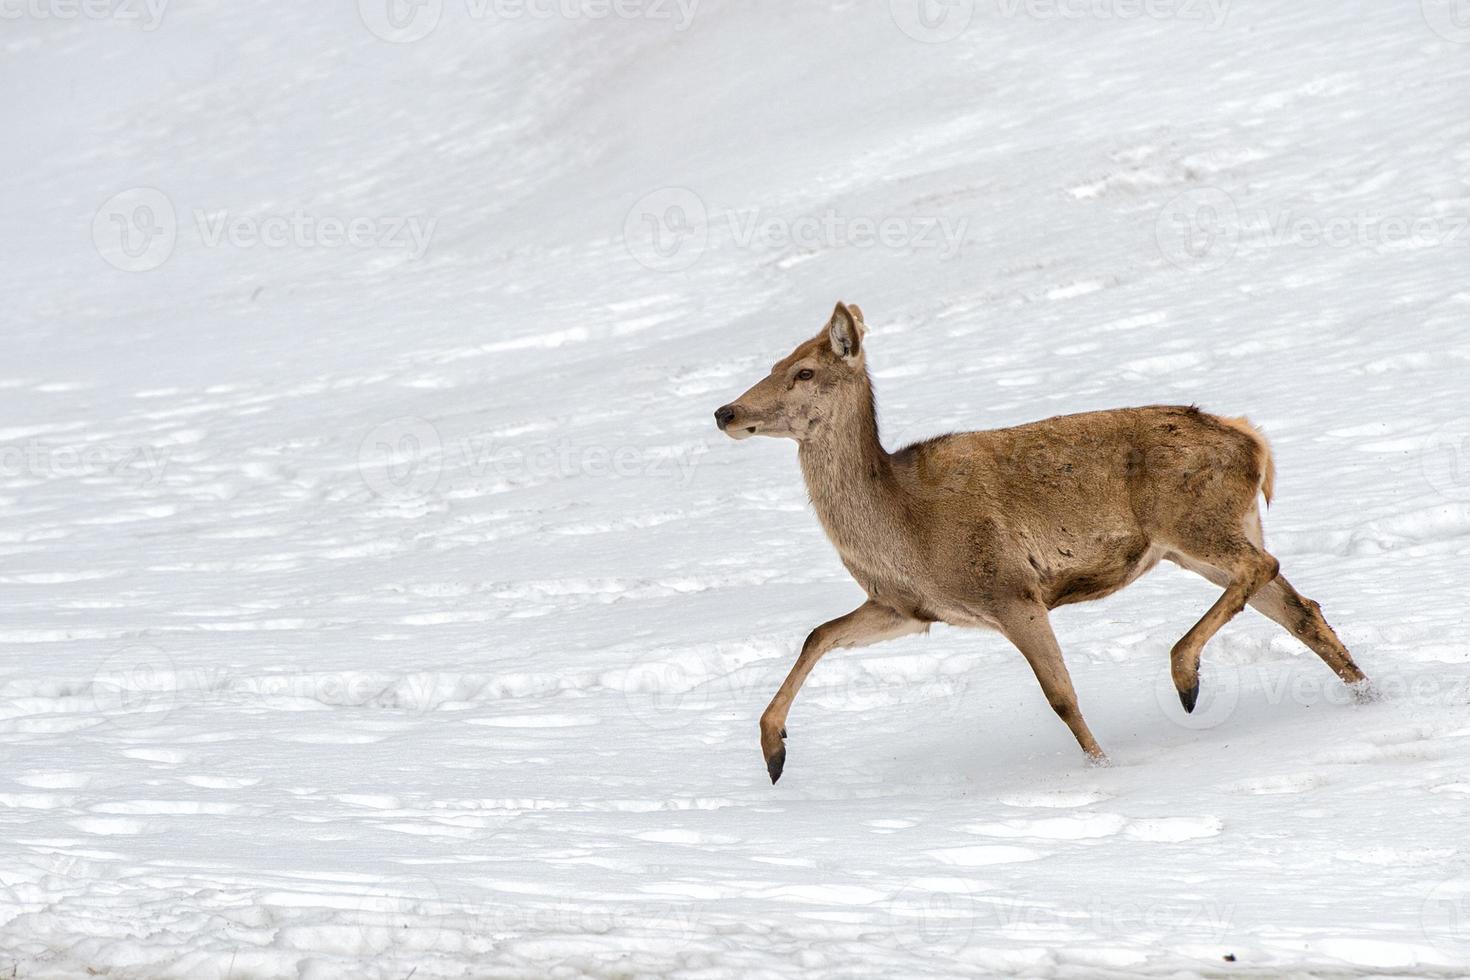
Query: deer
x=994, y=529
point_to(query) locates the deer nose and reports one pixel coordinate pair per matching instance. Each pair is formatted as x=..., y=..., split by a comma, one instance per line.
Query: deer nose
x=724, y=415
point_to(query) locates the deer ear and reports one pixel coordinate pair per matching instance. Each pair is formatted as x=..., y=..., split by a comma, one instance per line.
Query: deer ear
x=844, y=332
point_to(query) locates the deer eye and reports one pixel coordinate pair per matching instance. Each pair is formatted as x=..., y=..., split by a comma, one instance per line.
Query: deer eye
x=805, y=374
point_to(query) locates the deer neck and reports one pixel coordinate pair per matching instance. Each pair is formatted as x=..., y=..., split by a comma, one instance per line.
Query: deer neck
x=851, y=481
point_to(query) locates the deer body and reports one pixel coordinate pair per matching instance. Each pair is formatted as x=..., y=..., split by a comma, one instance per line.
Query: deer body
x=996, y=528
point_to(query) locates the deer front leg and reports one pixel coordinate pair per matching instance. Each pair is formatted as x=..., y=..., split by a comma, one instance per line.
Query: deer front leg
x=869, y=623
x=1029, y=629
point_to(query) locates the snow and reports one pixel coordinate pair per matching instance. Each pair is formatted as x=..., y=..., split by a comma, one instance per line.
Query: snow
x=380, y=601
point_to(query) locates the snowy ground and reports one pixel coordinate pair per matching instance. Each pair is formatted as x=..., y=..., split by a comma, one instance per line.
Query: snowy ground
x=391, y=607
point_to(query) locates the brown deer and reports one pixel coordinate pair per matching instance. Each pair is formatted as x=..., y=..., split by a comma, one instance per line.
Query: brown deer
x=997, y=528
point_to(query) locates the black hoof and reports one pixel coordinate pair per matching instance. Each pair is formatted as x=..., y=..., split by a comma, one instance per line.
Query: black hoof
x=1190, y=698
x=775, y=764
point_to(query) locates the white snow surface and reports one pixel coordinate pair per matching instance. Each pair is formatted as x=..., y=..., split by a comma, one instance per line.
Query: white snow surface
x=373, y=610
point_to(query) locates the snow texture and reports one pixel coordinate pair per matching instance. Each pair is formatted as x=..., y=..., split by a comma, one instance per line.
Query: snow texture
x=380, y=601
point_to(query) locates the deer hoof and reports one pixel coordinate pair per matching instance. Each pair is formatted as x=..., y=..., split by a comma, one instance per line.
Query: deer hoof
x=1190, y=697
x=775, y=764
x=773, y=748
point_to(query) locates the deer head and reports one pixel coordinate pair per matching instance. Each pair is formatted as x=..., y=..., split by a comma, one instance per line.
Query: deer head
x=814, y=387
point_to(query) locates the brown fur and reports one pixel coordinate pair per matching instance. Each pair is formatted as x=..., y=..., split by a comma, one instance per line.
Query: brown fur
x=996, y=528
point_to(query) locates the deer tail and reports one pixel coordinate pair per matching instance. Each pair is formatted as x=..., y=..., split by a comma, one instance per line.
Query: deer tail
x=1265, y=459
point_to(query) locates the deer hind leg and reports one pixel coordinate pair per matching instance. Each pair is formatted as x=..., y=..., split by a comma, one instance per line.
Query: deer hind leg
x=869, y=623
x=1294, y=612
x=1303, y=619
x=1244, y=569
x=1030, y=630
